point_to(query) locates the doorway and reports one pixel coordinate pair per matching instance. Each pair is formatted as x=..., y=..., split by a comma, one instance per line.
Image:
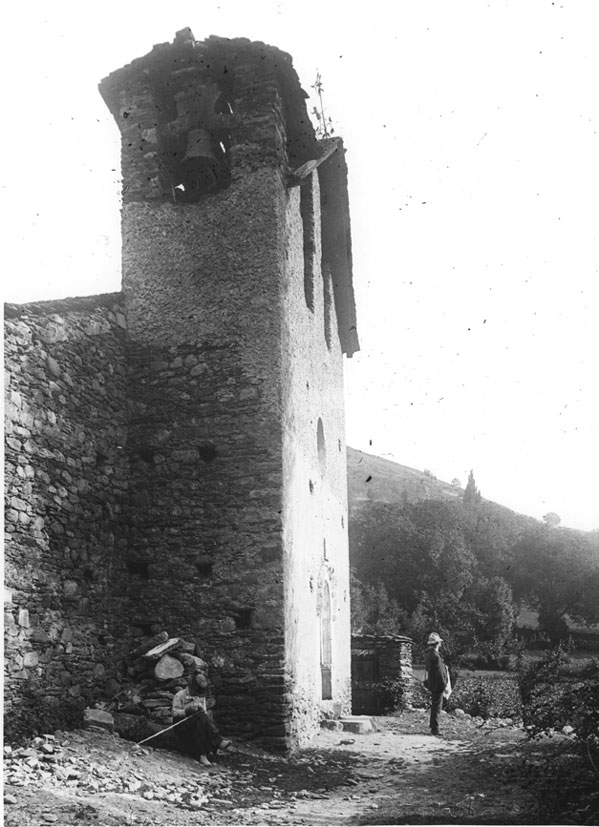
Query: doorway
x=326, y=655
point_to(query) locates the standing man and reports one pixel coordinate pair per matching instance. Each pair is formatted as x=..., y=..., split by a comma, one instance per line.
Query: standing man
x=436, y=680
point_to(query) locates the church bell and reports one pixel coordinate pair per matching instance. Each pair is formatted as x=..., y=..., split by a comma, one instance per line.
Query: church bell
x=199, y=145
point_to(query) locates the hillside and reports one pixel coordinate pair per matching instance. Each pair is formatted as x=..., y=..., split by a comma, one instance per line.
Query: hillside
x=374, y=479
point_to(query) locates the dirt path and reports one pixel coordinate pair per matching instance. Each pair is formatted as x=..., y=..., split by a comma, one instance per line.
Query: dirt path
x=399, y=774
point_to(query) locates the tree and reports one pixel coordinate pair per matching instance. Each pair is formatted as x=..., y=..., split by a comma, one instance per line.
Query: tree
x=493, y=617
x=492, y=532
x=552, y=519
x=373, y=541
x=373, y=612
x=471, y=493
x=433, y=563
x=557, y=571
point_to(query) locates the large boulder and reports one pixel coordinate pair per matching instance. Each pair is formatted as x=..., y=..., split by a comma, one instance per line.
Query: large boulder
x=168, y=668
x=98, y=718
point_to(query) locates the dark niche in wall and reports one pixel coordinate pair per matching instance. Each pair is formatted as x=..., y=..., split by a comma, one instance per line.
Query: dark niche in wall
x=146, y=454
x=144, y=627
x=208, y=452
x=321, y=447
x=243, y=618
x=138, y=567
x=204, y=566
x=307, y=214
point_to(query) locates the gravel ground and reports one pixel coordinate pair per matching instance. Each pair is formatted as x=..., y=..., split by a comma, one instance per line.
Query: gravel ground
x=396, y=775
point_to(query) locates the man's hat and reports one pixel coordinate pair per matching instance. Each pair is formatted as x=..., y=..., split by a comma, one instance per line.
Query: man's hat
x=433, y=638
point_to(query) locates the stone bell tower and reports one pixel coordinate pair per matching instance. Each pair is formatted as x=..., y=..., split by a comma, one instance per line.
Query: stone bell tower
x=239, y=300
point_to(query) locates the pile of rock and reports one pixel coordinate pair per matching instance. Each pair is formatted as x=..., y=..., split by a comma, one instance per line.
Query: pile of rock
x=154, y=672
x=54, y=761
x=486, y=723
x=42, y=761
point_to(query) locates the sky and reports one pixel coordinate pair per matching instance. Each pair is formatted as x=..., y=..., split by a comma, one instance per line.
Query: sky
x=471, y=131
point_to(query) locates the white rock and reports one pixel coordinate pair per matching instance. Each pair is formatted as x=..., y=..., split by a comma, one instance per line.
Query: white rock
x=158, y=651
x=168, y=668
x=98, y=718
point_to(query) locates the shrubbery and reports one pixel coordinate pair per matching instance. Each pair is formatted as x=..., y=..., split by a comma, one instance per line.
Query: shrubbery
x=420, y=697
x=482, y=696
x=488, y=656
x=34, y=716
x=389, y=695
x=486, y=697
x=558, y=693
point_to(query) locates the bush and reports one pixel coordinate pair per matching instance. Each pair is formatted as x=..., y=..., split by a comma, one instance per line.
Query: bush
x=484, y=658
x=491, y=655
x=419, y=696
x=566, y=784
x=34, y=717
x=557, y=693
x=486, y=697
x=390, y=695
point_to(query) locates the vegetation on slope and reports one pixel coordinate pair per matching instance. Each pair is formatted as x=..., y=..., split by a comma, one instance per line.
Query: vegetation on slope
x=426, y=554
x=562, y=696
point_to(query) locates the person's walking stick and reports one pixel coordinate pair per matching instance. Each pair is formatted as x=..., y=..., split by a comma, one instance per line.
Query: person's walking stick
x=172, y=726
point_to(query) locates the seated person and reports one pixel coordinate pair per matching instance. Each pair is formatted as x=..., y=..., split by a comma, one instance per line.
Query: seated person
x=198, y=736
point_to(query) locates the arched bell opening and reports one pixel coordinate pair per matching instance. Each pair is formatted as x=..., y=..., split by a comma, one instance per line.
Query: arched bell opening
x=196, y=143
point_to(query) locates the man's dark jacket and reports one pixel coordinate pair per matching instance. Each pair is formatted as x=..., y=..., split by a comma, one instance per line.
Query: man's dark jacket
x=436, y=672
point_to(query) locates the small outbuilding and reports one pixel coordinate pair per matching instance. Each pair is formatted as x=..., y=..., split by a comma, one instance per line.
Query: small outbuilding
x=381, y=668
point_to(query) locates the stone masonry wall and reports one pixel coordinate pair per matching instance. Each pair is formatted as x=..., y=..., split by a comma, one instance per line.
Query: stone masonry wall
x=205, y=521
x=66, y=481
x=184, y=470
x=202, y=282
x=205, y=440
